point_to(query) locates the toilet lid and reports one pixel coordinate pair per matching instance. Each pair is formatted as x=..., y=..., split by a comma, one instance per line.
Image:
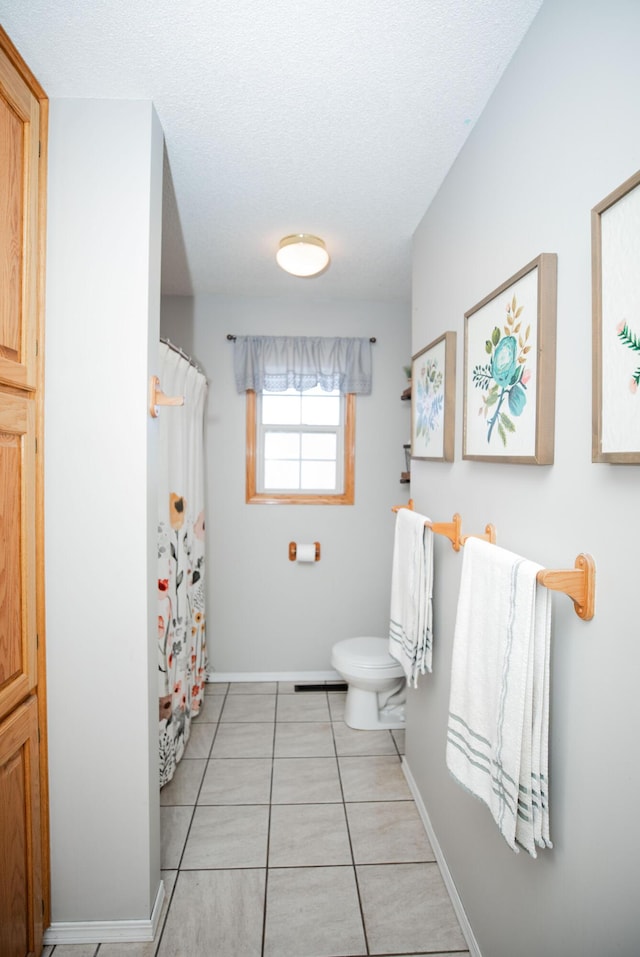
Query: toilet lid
x=365, y=652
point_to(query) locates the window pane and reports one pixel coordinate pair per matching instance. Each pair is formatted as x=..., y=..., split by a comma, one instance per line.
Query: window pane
x=320, y=475
x=278, y=475
x=319, y=445
x=278, y=409
x=281, y=475
x=323, y=409
x=282, y=445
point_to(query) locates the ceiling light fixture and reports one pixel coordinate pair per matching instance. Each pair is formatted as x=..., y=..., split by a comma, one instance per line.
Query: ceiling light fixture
x=302, y=255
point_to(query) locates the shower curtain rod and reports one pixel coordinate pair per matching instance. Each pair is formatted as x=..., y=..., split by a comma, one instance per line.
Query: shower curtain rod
x=233, y=338
x=184, y=355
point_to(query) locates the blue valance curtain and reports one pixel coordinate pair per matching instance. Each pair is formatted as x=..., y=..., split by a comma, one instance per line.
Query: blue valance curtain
x=276, y=363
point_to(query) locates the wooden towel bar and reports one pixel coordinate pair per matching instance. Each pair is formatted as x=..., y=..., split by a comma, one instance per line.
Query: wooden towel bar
x=578, y=583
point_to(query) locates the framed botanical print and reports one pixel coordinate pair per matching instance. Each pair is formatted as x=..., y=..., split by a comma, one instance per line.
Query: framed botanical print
x=433, y=389
x=615, y=240
x=510, y=369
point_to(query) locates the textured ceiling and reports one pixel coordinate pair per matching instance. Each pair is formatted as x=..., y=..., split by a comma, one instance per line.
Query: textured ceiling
x=339, y=118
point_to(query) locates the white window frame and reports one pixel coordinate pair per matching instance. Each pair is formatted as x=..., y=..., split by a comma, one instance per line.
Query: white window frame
x=346, y=458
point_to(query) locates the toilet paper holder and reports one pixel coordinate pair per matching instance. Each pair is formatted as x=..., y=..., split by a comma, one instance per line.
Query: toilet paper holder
x=293, y=551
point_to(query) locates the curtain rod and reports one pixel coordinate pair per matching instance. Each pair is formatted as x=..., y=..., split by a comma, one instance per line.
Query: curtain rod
x=233, y=338
x=175, y=348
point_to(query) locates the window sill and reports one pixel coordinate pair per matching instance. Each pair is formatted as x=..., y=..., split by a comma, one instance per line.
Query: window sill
x=266, y=498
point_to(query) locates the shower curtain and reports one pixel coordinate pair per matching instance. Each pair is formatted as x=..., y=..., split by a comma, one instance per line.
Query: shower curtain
x=182, y=656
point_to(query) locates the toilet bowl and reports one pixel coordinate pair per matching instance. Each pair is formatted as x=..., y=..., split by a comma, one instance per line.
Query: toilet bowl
x=376, y=683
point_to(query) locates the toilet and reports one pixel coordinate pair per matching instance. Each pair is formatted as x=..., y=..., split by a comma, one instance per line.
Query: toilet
x=376, y=683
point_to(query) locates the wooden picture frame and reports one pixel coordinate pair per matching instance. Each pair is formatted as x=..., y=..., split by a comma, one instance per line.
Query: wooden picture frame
x=433, y=391
x=615, y=246
x=510, y=369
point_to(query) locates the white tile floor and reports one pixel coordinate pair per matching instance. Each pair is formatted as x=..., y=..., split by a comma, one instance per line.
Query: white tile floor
x=286, y=833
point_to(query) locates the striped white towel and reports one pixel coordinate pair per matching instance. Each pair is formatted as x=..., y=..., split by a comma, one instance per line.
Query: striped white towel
x=497, y=736
x=410, y=625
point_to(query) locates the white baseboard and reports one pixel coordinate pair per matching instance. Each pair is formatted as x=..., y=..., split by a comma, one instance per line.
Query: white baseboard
x=107, y=931
x=463, y=920
x=310, y=676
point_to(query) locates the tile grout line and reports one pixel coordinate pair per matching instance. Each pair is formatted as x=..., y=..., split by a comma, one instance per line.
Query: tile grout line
x=266, y=868
x=353, y=861
x=204, y=774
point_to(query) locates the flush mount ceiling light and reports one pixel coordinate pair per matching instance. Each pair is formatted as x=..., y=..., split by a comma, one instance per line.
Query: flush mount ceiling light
x=302, y=255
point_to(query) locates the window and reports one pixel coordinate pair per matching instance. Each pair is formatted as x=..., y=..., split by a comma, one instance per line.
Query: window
x=300, y=447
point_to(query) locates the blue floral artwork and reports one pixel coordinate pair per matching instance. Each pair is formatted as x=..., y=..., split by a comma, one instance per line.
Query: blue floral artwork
x=429, y=402
x=510, y=369
x=433, y=379
x=502, y=381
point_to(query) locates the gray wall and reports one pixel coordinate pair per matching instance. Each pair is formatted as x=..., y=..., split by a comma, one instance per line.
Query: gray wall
x=103, y=317
x=559, y=134
x=266, y=614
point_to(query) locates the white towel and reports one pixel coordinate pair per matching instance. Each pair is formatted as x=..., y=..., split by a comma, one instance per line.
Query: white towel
x=498, y=729
x=410, y=626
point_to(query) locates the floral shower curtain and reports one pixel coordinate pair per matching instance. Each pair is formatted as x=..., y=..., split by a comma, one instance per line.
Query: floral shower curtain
x=182, y=656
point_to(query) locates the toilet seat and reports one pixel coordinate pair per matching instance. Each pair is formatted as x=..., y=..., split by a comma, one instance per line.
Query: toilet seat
x=365, y=653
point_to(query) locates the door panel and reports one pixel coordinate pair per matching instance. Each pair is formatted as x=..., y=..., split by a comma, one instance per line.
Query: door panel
x=18, y=642
x=20, y=890
x=19, y=152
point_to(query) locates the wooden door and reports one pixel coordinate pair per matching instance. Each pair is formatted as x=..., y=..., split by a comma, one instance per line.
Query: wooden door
x=20, y=845
x=24, y=885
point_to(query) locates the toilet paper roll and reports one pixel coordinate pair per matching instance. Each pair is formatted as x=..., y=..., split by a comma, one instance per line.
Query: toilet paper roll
x=305, y=553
